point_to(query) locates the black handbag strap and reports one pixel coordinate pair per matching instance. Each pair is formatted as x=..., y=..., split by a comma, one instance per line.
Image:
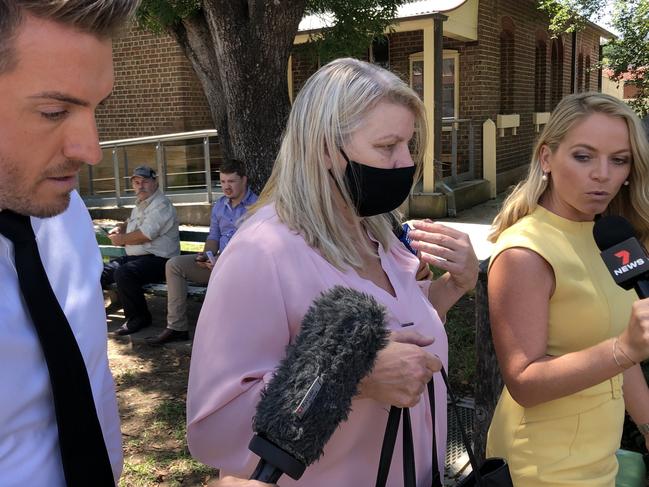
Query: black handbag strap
x=409, y=475
x=389, y=440
x=437, y=481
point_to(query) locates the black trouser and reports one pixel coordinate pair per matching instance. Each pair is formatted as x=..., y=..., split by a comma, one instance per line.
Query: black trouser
x=130, y=273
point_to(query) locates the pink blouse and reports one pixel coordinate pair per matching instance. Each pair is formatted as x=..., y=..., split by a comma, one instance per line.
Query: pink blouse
x=258, y=293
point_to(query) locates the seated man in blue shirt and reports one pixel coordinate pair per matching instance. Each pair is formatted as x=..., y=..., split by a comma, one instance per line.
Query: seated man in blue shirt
x=226, y=215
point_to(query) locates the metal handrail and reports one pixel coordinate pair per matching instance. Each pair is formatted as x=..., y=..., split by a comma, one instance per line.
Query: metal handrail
x=159, y=138
x=452, y=124
x=454, y=120
x=205, y=138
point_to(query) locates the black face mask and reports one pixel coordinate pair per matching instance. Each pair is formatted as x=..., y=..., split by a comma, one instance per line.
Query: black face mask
x=374, y=190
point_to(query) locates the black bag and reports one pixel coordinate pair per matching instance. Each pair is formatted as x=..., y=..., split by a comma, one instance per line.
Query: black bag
x=494, y=472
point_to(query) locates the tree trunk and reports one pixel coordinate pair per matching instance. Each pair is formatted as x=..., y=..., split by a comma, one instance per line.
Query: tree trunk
x=489, y=382
x=232, y=45
x=194, y=38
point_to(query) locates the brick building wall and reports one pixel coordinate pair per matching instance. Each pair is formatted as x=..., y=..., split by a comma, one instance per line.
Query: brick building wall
x=529, y=25
x=481, y=76
x=156, y=90
x=523, y=20
x=480, y=73
x=402, y=46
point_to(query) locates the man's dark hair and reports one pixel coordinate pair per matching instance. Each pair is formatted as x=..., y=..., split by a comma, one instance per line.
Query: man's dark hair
x=231, y=166
x=101, y=18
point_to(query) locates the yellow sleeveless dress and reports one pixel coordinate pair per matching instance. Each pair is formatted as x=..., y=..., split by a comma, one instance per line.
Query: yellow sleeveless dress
x=570, y=441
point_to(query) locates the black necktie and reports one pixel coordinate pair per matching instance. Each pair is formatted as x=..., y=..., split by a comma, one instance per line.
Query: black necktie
x=83, y=450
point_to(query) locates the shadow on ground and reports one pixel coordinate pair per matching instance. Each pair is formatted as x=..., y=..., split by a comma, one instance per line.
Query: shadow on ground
x=151, y=385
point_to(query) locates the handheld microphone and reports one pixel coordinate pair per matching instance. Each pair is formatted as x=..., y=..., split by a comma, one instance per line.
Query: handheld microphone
x=624, y=256
x=313, y=387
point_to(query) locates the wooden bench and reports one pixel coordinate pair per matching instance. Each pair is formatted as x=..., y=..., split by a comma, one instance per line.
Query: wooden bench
x=187, y=234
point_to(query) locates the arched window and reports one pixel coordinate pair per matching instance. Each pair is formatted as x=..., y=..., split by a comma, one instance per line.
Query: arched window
x=556, y=71
x=580, y=73
x=540, y=75
x=507, y=66
x=587, y=74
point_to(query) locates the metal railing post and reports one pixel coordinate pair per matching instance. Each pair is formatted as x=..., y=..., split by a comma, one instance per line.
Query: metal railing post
x=127, y=171
x=159, y=156
x=164, y=167
x=208, y=168
x=454, y=153
x=471, y=151
x=118, y=188
x=91, y=183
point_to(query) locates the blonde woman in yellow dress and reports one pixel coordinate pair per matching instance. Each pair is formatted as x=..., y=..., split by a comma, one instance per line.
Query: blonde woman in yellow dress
x=568, y=340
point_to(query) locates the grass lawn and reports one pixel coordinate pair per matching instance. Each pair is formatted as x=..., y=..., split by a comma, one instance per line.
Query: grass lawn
x=460, y=329
x=151, y=388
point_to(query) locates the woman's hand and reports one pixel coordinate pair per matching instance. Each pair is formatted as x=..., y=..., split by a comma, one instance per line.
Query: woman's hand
x=448, y=249
x=634, y=340
x=423, y=271
x=401, y=371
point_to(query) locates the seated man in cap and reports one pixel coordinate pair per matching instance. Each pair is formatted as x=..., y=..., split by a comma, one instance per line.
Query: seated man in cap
x=150, y=237
x=226, y=216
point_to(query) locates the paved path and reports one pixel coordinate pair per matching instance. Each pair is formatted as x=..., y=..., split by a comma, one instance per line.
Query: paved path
x=476, y=222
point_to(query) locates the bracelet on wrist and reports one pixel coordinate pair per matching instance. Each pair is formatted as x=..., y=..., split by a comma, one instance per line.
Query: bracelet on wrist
x=624, y=353
x=616, y=347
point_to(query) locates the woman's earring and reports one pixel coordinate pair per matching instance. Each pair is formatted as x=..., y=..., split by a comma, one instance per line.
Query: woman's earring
x=545, y=176
x=626, y=183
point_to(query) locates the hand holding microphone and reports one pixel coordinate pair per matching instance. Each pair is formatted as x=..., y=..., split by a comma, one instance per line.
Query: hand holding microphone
x=634, y=340
x=628, y=263
x=312, y=389
x=402, y=370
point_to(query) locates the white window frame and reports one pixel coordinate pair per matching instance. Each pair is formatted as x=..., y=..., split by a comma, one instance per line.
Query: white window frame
x=447, y=54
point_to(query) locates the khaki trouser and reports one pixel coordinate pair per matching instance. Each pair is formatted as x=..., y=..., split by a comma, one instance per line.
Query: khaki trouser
x=179, y=270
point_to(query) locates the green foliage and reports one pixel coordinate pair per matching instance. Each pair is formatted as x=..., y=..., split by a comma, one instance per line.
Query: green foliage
x=627, y=55
x=158, y=15
x=630, y=53
x=571, y=15
x=354, y=25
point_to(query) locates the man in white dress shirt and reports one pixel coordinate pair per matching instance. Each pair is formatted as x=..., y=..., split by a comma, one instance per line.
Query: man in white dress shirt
x=55, y=69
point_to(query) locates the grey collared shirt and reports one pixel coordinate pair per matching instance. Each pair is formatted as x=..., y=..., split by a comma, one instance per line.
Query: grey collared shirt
x=156, y=218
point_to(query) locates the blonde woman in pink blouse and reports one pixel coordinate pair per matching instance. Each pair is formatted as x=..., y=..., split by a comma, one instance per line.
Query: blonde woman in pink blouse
x=345, y=160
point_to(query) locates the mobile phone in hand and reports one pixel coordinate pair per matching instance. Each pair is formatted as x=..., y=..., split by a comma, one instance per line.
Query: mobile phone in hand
x=210, y=256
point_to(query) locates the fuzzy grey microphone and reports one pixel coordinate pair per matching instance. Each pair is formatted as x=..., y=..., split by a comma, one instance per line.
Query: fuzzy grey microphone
x=312, y=390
